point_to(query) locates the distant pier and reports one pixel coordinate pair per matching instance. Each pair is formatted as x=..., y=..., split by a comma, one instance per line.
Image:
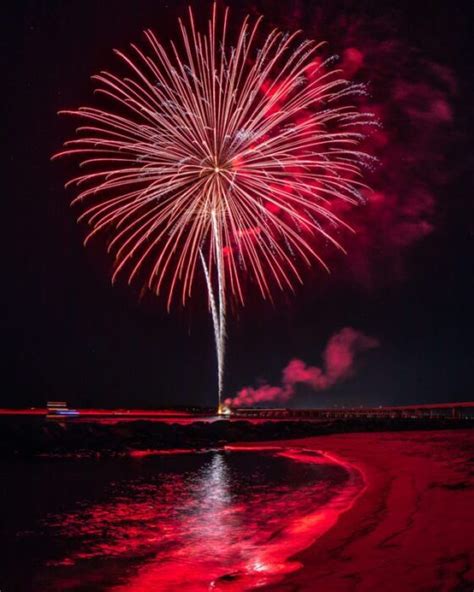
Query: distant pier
x=431, y=411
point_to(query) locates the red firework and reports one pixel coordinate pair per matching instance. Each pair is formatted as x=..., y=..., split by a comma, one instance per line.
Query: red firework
x=228, y=149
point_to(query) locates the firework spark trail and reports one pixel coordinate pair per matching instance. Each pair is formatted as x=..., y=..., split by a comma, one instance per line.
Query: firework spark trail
x=222, y=153
x=218, y=321
x=222, y=312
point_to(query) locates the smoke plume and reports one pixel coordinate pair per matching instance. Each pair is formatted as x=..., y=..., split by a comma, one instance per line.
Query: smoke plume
x=414, y=99
x=338, y=364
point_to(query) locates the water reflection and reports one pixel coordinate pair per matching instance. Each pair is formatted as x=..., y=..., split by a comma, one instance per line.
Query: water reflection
x=215, y=521
x=215, y=515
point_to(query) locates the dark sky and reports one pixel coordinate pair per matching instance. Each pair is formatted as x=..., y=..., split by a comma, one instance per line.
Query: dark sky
x=69, y=334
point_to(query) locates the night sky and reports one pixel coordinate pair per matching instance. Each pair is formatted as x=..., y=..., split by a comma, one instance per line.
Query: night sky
x=69, y=335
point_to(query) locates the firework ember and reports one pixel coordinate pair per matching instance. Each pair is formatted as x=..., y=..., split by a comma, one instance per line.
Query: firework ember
x=221, y=155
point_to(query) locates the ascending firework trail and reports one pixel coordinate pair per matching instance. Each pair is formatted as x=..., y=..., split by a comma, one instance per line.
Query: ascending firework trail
x=218, y=155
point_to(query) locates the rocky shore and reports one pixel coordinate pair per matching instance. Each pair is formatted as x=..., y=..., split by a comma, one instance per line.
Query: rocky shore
x=24, y=437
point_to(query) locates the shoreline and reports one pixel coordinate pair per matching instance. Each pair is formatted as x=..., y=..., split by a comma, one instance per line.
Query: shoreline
x=281, y=557
x=412, y=529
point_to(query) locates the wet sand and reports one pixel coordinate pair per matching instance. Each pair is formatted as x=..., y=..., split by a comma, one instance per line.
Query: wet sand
x=412, y=530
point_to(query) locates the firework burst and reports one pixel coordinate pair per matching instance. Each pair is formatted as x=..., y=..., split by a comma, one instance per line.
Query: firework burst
x=219, y=156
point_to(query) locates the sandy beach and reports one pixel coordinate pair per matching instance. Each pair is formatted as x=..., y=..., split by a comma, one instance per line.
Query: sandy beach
x=412, y=529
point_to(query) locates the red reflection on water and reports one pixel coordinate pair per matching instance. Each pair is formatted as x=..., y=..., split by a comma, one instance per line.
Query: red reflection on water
x=209, y=539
